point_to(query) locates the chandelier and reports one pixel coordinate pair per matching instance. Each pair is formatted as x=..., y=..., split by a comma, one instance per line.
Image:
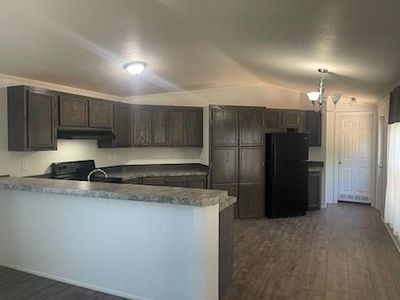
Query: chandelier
x=318, y=98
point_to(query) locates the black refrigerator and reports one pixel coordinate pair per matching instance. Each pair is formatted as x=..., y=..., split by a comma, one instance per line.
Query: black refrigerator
x=286, y=174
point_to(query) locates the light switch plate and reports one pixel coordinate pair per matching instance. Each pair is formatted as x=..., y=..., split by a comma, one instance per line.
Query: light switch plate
x=24, y=165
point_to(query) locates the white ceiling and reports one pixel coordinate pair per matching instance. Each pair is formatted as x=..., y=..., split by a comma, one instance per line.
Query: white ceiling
x=195, y=44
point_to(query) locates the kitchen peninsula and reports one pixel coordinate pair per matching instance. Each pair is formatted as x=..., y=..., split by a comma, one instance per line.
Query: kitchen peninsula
x=135, y=241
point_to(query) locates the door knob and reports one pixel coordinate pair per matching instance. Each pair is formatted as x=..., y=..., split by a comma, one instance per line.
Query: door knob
x=340, y=162
x=381, y=166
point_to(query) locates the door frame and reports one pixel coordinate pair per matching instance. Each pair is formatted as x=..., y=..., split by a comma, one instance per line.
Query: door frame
x=372, y=179
x=381, y=154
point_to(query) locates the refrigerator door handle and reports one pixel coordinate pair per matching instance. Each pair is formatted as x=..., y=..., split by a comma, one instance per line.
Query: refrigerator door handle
x=273, y=175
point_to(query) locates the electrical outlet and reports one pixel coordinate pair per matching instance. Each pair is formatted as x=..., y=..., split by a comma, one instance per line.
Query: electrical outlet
x=24, y=165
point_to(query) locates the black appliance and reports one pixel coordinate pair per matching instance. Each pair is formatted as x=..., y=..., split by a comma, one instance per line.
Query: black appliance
x=286, y=174
x=85, y=134
x=79, y=170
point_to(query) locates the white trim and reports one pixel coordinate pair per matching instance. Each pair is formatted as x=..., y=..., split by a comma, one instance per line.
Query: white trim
x=72, y=282
x=13, y=80
x=392, y=235
x=380, y=149
x=372, y=179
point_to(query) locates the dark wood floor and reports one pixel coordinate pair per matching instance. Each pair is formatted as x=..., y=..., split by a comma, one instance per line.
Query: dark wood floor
x=342, y=252
x=15, y=285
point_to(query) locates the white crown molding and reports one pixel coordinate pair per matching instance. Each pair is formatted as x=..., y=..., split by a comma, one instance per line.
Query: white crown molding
x=9, y=80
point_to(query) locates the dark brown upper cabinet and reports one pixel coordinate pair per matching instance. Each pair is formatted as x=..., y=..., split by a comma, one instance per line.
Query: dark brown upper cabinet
x=82, y=112
x=122, y=124
x=302, y=121
x=290, y=118
x=31, y=119
x=100, y=114
x=272, y=118
x=121, y=127
x=314, y=128
x=251, y=125
x=160, y=122
x=224, y=126
x=193, y=129
x=282, y=118
x=167, y=126
x=177, y=126
x=142, y=121
x=186, y=126
x=73, y=111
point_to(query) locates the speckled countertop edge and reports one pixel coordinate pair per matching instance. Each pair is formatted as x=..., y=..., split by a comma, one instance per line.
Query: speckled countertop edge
x=143, y=193
x=128, y=172
x=128, y=175
x=227, y=202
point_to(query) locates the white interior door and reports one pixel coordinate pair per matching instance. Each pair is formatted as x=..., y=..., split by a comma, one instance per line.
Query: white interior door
x=355, y=157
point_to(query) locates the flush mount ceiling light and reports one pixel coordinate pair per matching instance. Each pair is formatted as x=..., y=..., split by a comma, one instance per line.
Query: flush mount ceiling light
x=135, y=67
x=318, y=98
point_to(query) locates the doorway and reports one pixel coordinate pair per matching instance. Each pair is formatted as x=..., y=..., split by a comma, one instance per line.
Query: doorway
x=355, y=179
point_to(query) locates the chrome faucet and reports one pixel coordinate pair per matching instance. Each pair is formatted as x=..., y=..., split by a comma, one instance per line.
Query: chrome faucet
x=95, y=171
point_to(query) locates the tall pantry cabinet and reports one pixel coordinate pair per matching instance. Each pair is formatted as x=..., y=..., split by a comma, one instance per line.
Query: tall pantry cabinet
x=237, y=156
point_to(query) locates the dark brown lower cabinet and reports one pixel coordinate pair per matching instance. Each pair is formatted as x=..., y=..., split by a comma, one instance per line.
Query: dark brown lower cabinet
x=175, y=181
x=232, y=189
x=197, y=182
x=194, y=182
x=134, y=181
x=225, y=249
x=153, y=180
x=314, y=190
x=251, y=202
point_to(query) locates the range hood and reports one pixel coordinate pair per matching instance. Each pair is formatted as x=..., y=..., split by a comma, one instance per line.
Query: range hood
x=85, y=134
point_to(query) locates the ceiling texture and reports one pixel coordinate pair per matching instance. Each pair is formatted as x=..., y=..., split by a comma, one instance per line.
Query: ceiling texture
x=197, y=44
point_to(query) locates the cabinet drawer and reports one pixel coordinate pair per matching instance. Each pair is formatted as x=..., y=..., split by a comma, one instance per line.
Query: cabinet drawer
x=153, y=180
x=197, y=182
x=175, y=181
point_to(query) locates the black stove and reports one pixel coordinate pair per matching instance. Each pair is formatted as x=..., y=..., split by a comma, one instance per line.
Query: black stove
x=79, y=170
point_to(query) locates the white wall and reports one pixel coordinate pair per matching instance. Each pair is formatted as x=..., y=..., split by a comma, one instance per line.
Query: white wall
x=133, y=249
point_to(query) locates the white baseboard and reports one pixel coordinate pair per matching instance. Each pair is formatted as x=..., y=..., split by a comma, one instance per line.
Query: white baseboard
x=396, y=241
x=72, y=282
